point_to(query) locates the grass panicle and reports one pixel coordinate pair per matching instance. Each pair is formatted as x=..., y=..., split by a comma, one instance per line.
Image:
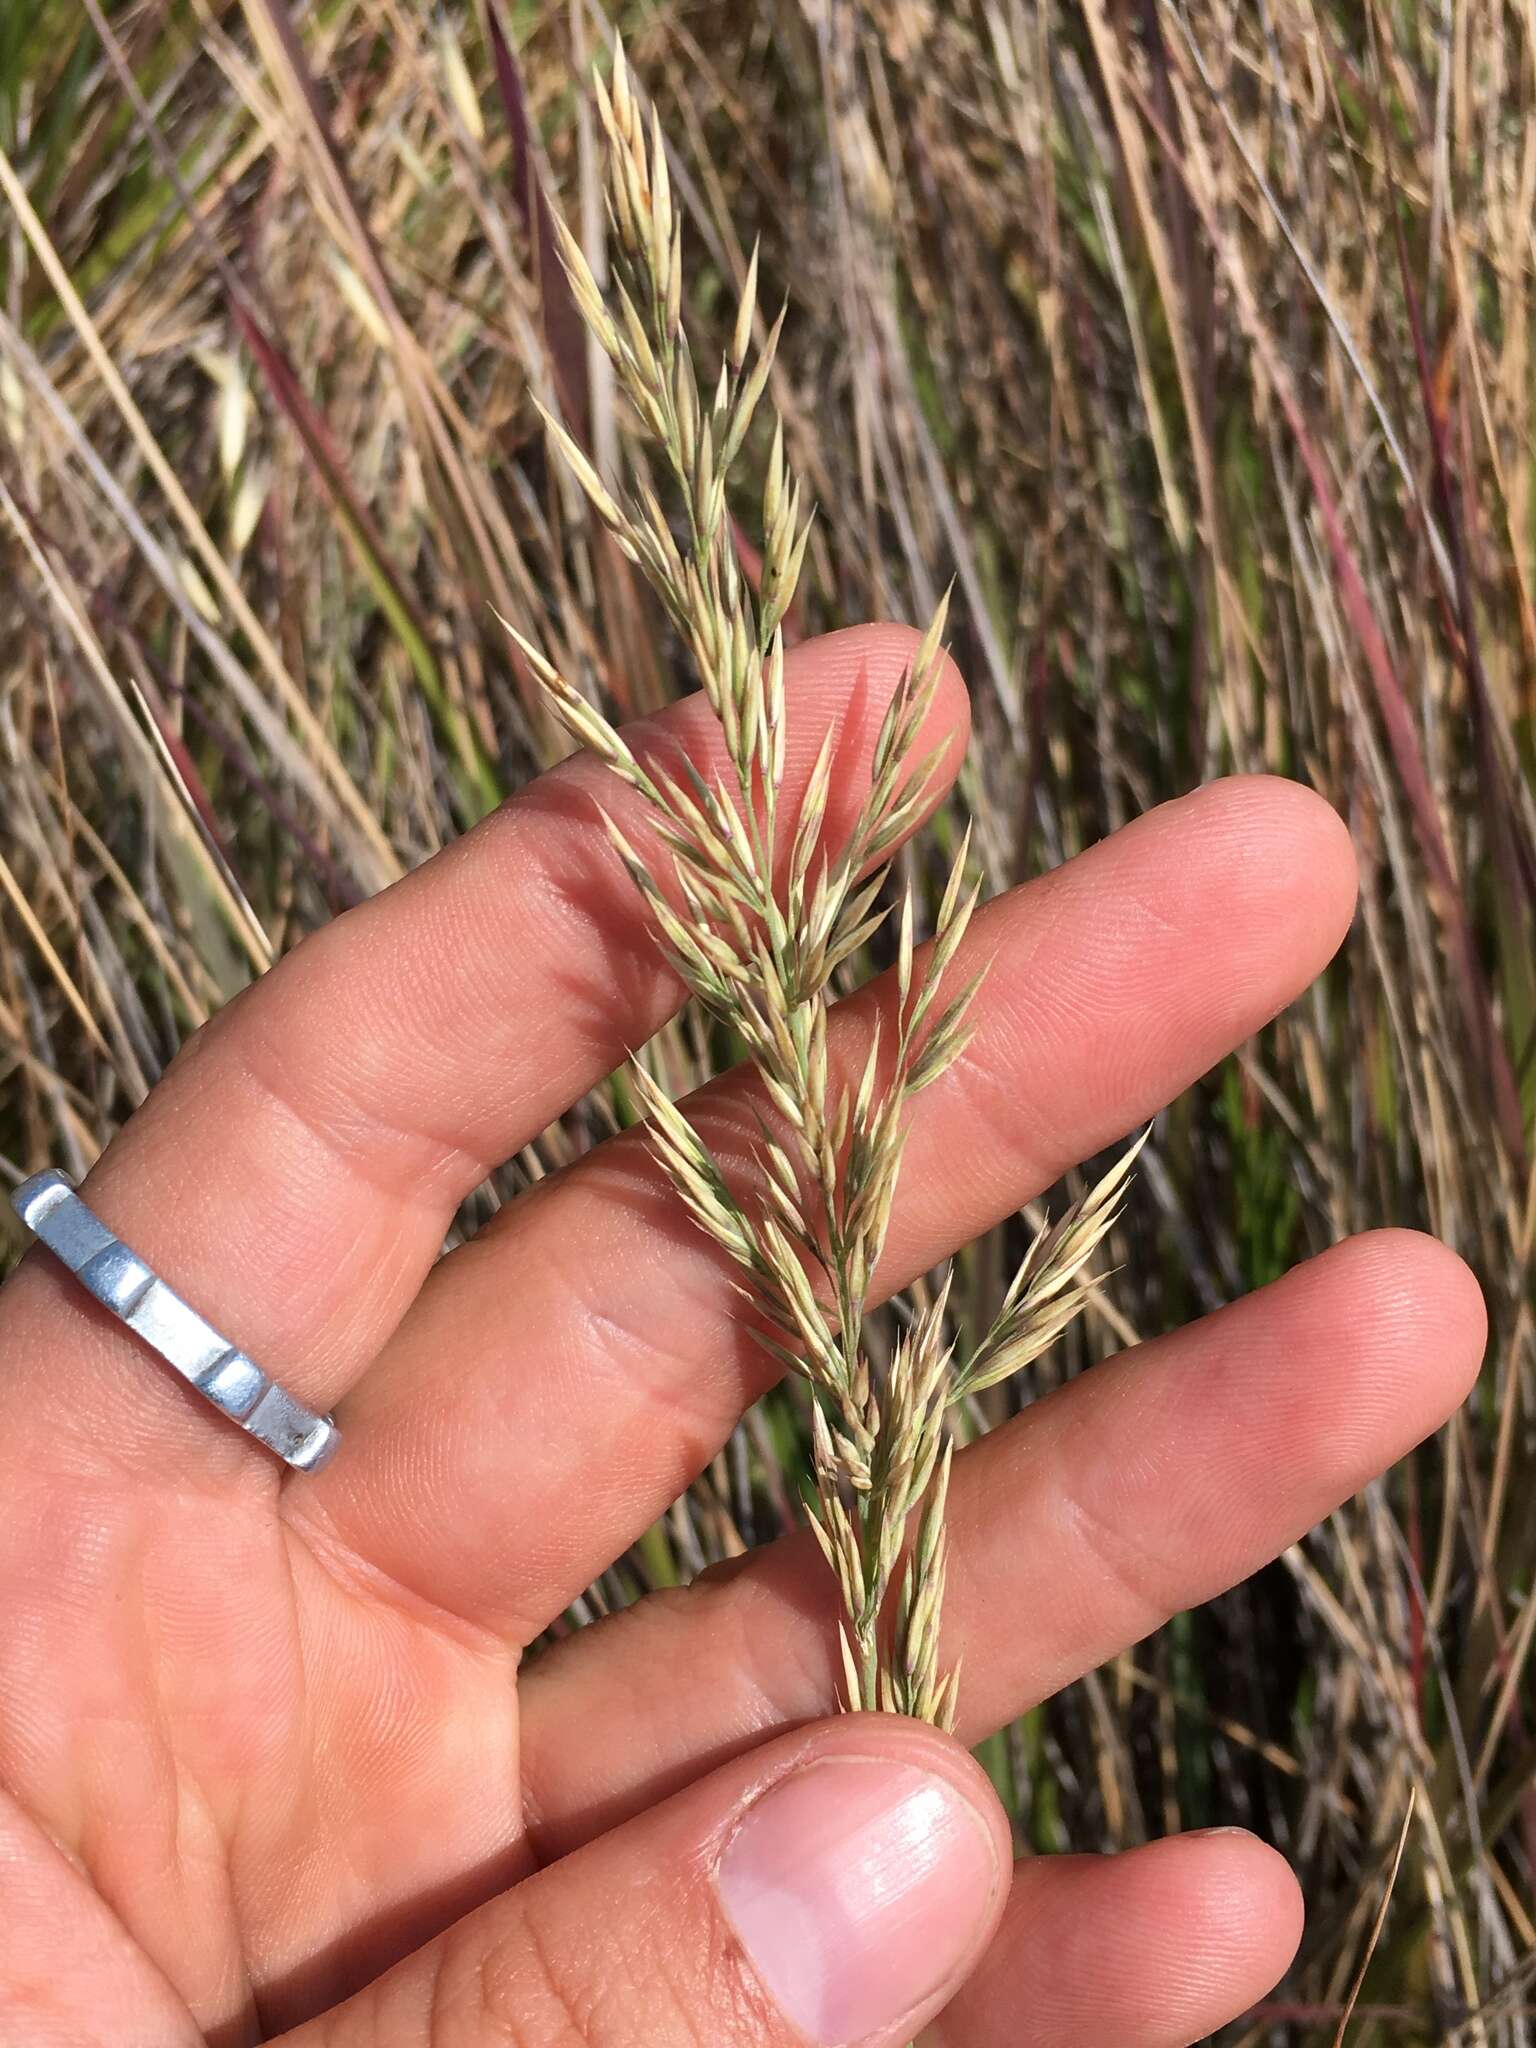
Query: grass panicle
x=761, y=952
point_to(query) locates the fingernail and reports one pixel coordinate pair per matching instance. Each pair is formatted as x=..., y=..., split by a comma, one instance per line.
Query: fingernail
x=857, y=1889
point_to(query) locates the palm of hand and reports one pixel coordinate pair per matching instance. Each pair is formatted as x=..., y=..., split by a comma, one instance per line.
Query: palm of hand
x=260, y=1740
x=269, y=1773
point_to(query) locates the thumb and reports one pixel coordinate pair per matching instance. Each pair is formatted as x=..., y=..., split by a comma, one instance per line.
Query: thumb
x=835, y=1886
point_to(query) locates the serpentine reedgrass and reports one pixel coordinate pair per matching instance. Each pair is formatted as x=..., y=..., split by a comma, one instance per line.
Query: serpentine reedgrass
x=761, y=952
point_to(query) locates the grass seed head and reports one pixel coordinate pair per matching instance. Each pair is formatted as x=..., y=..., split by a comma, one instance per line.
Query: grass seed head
x=761, y=954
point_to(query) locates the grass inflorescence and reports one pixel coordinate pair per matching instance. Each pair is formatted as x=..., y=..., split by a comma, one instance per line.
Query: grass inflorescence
x=761, y=951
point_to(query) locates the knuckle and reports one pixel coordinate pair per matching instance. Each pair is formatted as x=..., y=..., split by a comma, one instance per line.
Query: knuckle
x=1136, y=1579
x=528, y=1995
x=610, y=1982
x=783, y=1655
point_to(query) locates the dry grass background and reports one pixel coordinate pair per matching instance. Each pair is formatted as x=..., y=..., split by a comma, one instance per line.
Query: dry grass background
x=1194, y=337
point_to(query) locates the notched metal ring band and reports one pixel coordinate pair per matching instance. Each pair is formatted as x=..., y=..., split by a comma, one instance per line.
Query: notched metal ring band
x=122, y=1282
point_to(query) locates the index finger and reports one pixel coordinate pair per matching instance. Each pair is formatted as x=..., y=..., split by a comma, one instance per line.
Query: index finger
x=294, y=1174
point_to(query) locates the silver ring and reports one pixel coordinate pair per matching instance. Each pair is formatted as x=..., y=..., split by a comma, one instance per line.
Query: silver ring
x=122, y=1282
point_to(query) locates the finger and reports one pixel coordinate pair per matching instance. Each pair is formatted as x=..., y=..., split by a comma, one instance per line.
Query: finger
x=834, y=1888
x=294, y=1174
x=1147, y=1485
x=596, y=1324
x=1156, y=1948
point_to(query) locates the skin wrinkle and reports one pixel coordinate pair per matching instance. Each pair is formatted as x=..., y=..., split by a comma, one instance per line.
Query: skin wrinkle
x=1128, y=1566
x=569, y=907
x=358, y=1578
x=246, y=1997
x=407, y=1593
x=588, y=1340
x=426, y=1165
x=697, y=1410
x=186, y=1794
x=500, y=1997
x=144, y=1396
x=115, y=1854
x=295, y=1186
x=429, y=1164
x=617, y=1340
x=402, y=1755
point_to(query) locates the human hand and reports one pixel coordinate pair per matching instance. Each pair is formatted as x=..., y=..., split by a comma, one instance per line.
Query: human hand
x=265, y=1762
